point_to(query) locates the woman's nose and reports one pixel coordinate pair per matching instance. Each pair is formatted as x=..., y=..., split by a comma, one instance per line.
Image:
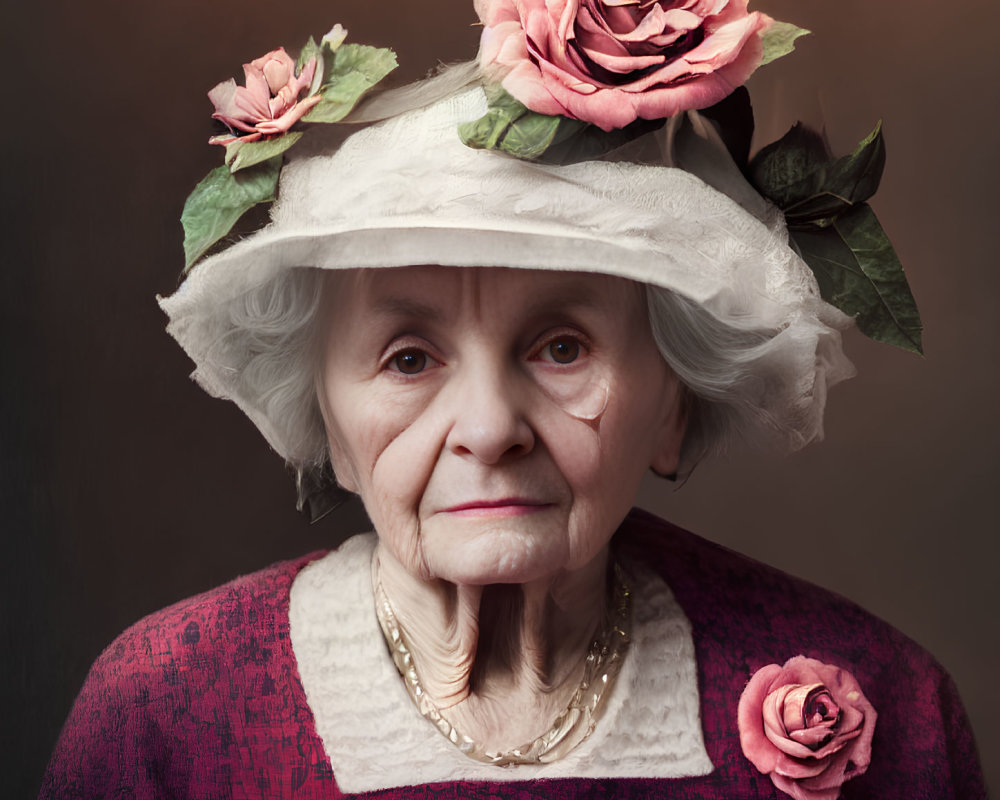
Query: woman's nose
x=488, y=417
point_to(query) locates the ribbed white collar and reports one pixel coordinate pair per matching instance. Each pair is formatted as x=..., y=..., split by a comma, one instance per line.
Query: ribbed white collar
x=376, y=739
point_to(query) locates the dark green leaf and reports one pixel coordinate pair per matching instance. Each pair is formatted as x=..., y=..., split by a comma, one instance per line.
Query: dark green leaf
x=783, y=170
x=779, y=40
x=240, y=155
x=845, y=182
x=220, y=200
x=859, y=273
x=798, y=174
x=348, y=73
x=575, y=142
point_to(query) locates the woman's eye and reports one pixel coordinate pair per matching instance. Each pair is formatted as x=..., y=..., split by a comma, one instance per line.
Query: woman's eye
x=409, y=362
x=563, y=351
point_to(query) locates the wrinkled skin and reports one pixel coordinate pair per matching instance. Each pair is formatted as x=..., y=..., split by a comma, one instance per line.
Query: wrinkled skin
x=496, y=423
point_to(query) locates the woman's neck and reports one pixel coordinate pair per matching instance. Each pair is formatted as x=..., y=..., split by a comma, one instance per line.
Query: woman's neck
x=500, y=662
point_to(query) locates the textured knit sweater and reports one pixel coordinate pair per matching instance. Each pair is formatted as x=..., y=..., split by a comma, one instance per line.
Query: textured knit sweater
x=222, y=695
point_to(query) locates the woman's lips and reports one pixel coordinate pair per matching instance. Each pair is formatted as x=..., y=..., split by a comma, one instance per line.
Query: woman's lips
x=506, y=507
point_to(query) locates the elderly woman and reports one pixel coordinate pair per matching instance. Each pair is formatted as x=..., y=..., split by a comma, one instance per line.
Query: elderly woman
x=491, y=349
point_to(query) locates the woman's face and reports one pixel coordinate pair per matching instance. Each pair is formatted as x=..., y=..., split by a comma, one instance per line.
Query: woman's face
x=496, y=422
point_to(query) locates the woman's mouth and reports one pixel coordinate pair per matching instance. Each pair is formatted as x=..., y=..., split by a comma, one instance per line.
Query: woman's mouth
x=504, y=507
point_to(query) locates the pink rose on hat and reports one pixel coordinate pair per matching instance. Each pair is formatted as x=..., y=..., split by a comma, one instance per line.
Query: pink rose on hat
x=270, y=103
x=808, y=726
x=610, y=62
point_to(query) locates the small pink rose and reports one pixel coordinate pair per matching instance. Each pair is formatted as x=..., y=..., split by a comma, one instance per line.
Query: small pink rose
x=808, y=726
x=610, y=62
x=270, y=102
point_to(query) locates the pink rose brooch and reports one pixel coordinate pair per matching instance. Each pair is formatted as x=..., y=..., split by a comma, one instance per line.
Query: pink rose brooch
x=808, y=726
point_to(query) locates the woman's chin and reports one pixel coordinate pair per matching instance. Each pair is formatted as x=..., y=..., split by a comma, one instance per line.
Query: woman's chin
x=483, y=551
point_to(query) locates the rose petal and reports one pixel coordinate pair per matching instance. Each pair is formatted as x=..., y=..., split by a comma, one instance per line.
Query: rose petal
x=722, y=45
x=305, y=79
x=221, y=96
x=794, y=704
x=254, y=96
x=289, y=118
x=798, y=792
x=749, y=720
x=800, y=768
x=250, y=107
x=276, y=68
x=592, y=35
x=277, y=75
x=622, y=64
x=710, y=8
x=813, y=737
x=834, y=775
x=706, y=90
x=716, y=13
x=774, y=727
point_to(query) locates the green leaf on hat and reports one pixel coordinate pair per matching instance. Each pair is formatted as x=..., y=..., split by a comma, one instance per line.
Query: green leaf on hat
x=309, y=50
x=349, y=72
x=240, y=154
x=220, y=200
x=799, y=175
x=511, y=127
x=782, y=170
x=779, y=40
x=823, y=199
x=487, y=132
x=858, y=272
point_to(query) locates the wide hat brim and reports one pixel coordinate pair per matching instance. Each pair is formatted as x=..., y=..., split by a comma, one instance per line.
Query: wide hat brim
x=407, y=191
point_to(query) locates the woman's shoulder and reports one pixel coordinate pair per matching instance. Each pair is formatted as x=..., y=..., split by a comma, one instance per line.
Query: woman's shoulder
x=746, y=615
x=723, y=588
x=246, y=608
x=174, y=697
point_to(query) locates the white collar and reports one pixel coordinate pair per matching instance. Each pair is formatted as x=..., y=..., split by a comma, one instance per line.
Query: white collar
x=376, y=739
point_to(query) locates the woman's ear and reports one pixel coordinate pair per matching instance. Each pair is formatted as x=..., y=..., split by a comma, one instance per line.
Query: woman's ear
x=670, y=437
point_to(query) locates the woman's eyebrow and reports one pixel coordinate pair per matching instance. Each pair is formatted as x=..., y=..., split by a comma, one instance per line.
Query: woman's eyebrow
x=558, y=299
x=548, y=300
x=393, y=306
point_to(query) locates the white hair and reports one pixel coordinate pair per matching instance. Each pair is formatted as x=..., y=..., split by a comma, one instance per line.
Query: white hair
x=269, y=347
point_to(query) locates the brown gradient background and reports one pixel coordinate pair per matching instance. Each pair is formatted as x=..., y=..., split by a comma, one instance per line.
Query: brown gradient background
x=126, y=488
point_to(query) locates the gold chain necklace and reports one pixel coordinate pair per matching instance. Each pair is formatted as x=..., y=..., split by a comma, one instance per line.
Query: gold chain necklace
x=572, y=726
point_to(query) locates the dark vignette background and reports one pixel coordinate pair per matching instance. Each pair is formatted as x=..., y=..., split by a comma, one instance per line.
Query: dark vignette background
x=125, y=488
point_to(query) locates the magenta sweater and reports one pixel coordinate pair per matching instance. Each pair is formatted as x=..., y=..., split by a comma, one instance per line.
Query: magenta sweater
x=204, y=699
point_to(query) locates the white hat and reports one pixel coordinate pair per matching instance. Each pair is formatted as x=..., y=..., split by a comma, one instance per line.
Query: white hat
x=407, y=191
